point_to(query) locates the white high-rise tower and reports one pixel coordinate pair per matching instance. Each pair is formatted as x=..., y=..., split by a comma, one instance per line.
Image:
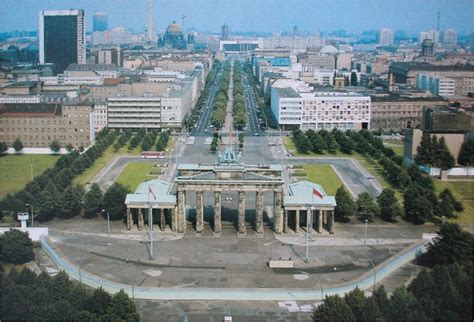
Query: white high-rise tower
x=151, y=34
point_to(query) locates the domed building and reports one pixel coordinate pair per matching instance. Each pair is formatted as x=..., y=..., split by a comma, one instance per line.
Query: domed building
x=173, y=38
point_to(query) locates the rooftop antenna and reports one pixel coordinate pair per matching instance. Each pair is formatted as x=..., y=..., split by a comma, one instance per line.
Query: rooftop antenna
x=438, y=21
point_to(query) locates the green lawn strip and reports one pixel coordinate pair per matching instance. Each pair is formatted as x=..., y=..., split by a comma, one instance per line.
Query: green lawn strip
x=463, y=191
x=135, y=173
x=15, y=170
x=324, y=175
x=92, y=171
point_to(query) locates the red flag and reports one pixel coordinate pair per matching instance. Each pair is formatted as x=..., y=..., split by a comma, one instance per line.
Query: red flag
x=151, y=191
x=317, y=193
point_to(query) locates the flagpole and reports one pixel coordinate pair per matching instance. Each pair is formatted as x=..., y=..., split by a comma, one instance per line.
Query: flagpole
x=150, y=223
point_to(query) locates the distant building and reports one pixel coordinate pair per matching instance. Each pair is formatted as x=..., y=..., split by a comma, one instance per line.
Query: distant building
x=100, y=22
x=395, y=112
x=173, y=38
x=427, y=48
x=463, y=75
x=295, y=104
x=437, y=85
x=313, y=60
x=385, y=37
x=110, y=56
x=449, y=37
x=225, y=32
x=37, y=125
x=324, y=77
x=100, y=115
x=62, y=38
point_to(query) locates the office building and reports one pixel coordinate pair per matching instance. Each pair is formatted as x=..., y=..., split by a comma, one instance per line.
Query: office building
x=450, y=37
x=37, y=125
x=295, y=104
x=62, y=38
x=385, y=37
x=100, y=22
x=225, y=32
x=438, y=85
x=110, y=56
x=463, y=75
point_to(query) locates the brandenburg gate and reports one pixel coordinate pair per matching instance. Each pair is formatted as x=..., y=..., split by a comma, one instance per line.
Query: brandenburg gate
x=229, y=174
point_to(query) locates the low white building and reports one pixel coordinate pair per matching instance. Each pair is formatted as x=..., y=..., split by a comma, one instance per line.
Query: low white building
x=437, y=85
x=324, y=77
x=295, y=104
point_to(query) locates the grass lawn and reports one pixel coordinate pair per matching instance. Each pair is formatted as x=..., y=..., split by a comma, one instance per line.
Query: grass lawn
x=396, y=145
x=90, y=173
x=135, y=173
x=15, y=170
x=372, y=166
x=464, y=192
x=324, y=175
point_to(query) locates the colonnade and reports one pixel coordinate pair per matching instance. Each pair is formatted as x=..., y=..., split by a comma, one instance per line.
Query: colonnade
x=142, y=212
x=241, y=228
x=318, y=219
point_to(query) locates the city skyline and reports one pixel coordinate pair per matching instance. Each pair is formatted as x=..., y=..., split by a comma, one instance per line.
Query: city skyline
x=353, y=16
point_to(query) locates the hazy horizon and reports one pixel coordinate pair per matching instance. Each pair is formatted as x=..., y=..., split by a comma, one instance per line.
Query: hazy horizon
x=256, y=15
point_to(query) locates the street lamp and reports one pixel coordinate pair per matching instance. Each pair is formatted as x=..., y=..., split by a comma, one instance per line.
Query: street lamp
x=365, y=235
x=108, y=221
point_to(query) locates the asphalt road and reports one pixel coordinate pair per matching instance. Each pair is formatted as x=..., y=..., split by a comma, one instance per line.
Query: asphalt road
x=204, y=119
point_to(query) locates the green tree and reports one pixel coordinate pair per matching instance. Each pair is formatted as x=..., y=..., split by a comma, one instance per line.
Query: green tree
x=353, y=79
x=366, y=208
x=92, y=202
x=71, y=201
x=122, y=308
x=3, y=148
x=448, y=195
x=418, y=208
x=466, y=154
x=445, y=160
x=49, y=203
x=99, y=302
x=69, y=147
x=18, y=145
x=16, y=247
x=453, y=244
x=425, y=151
x=114, y=201
x=388, y=205
x=403, y=304
x=55, y=146
x=345, y=205
x=333, y=308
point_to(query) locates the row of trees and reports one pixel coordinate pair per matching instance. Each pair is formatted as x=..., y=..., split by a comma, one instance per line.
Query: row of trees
x=365, y=207
x=123, y=139
x=421, y=203
x=434, y=152
x=202, y=100
x=466, y=154
x=27, y=296
x=162, y=142
x=221, y=98
x=263, y=102
x=442, y=292
x=238, y=105
x=52, y=193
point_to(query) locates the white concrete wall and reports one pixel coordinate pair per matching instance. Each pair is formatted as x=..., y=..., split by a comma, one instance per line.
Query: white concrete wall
x=34, y=232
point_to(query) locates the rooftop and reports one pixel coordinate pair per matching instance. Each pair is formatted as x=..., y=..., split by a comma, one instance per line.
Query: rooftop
x=302, y=193
x=35, y=109
x=90, y=67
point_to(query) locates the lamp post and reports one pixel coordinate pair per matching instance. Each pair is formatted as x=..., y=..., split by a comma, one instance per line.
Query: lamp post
x=108, y=221
x=365, y=235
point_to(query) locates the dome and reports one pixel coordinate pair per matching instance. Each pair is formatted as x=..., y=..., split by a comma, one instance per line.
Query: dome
x=173, y=28
x=329, y=50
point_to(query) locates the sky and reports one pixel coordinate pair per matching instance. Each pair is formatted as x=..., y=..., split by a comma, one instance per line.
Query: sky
x=256, y=15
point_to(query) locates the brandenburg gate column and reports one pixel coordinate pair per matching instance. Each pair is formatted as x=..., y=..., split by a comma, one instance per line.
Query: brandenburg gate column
x=181, y=211
x=259, y=211
x=217, y=211
x=297, y=221
x=241, y=220
x=278, y=211
x=141, y=221
x=320, y=221
x=199, y=212
x=129, y=219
